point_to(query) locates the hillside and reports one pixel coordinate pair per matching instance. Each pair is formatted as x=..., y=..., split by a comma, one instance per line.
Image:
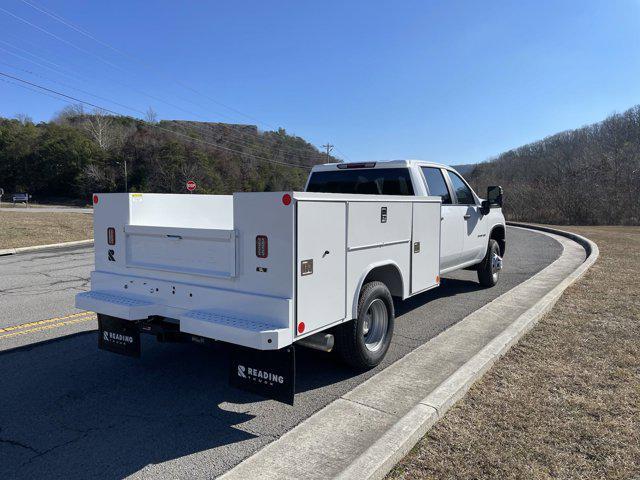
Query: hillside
x=466, y=169
x=587, y=176
x=77, y=154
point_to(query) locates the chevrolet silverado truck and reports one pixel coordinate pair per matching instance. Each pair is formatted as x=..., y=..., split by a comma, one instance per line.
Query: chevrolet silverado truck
x=260, y=273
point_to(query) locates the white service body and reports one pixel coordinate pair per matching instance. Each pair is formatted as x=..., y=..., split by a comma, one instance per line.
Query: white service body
x=192, y=259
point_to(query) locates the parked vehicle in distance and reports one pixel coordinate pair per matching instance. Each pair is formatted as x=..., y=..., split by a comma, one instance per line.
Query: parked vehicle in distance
x=266, y=271
x=21, y=198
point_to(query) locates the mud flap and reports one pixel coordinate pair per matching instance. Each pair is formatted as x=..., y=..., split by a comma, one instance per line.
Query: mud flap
x=269, y=373
x=118, y=336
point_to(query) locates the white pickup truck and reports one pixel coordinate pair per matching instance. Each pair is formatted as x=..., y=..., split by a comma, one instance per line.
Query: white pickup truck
x=261, y=272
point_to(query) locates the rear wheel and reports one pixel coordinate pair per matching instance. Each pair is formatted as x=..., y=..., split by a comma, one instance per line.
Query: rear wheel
x=363, y=342
x=489, y=269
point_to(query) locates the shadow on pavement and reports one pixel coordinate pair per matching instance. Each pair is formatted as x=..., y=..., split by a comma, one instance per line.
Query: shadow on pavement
x=68, y=410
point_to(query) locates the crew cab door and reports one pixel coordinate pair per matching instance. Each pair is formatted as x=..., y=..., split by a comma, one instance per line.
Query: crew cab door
x=473, y=231
x=452, y=221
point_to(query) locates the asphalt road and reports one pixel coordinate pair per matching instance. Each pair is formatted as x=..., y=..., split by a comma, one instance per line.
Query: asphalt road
x=70, y=411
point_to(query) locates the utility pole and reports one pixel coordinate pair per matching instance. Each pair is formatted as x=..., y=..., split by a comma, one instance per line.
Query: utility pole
x=328, y=147
x=126, y=177
x=126, y=180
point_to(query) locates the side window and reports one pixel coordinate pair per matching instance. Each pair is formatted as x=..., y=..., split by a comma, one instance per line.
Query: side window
x=463, y=193
x=436, y=184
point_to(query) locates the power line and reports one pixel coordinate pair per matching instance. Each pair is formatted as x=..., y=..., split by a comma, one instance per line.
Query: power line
x=70, y=86
x=240, y=140
x=342, y=153
x=32, y=90
x=80, y=30
x=91, y=54
x=147, y=65
x=84, y=102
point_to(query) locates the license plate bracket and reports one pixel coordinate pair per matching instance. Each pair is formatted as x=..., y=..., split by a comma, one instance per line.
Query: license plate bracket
x=119, y=336
x=268, y=373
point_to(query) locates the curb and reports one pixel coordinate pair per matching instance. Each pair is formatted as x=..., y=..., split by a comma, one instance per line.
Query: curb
x=366, y=431
x=393, y=445
x=77, y=243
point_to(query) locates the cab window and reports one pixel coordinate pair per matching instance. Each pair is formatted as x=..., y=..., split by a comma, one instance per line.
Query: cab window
x=463, y=192
x=436, y=184
x=374, y=181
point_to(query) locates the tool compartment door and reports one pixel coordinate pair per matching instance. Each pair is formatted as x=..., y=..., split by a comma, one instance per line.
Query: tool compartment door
x=321, y=256
x=425, y=246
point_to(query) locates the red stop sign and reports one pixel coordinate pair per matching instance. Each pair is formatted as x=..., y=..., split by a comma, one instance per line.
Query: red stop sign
x=191, y=185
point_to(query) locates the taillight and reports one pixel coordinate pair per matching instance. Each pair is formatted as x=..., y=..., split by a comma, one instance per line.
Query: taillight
x=262, y=246
x=111, y=236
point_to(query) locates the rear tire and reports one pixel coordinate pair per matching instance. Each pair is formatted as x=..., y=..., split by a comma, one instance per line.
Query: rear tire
x=363, y=342
x=489, y=268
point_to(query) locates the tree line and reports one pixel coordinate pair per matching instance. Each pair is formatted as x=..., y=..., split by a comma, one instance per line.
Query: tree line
x=586, y=176
x=78, y=153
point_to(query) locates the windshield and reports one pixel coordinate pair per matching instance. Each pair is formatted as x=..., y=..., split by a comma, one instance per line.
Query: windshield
x=372, y=181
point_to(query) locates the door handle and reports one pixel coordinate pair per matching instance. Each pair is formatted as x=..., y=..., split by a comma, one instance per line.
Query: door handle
x=467, y=216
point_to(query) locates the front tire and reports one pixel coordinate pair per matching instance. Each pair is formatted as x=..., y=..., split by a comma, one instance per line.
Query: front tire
x=489, y=268
x=363, y=342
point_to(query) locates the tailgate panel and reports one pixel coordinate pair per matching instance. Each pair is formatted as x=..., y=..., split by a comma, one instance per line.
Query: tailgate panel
x=185, y=250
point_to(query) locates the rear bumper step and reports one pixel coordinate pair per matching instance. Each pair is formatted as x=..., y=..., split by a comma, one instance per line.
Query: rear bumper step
x=208, y=323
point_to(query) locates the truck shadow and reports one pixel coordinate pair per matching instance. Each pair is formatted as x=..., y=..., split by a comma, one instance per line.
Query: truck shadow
x=68, y=410
x=449, y=287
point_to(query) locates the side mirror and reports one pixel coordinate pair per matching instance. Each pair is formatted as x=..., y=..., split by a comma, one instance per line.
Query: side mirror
x=485, y=207
x=494, y=195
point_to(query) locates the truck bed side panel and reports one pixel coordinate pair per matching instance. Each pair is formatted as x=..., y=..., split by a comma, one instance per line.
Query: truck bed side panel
x=320, y=262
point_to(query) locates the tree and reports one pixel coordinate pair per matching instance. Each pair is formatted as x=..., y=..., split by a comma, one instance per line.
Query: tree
x=100, y=126
x=23, y=118
x=151, y=116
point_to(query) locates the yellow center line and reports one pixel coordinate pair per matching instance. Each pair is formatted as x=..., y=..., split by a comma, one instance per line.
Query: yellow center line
x=41, y=322
x=50, y=326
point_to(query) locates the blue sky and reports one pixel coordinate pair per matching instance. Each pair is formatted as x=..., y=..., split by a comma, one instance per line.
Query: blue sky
x=455, y=82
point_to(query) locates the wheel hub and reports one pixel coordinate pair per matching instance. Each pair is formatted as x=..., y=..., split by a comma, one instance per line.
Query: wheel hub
x=496, y=262
x=374, y=328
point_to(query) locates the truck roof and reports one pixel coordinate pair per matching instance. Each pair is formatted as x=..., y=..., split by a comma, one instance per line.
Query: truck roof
x=381, y=164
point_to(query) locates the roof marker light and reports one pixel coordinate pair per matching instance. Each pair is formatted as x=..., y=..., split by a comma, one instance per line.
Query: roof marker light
x=286, y=199
x=95, y=199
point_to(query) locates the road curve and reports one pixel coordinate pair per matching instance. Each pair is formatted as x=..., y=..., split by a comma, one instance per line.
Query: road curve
x=68, y=410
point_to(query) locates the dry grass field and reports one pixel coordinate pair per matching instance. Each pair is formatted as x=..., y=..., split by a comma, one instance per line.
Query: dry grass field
x=26, y=229
x=565, y=401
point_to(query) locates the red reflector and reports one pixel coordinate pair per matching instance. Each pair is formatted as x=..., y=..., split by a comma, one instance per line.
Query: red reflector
x=95, y=199
x=262, y=246
x=286, y=199
x=301, y=327
x=111, y=236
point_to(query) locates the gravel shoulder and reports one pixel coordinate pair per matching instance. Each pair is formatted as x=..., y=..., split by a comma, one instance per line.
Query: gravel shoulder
x=563, y=402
